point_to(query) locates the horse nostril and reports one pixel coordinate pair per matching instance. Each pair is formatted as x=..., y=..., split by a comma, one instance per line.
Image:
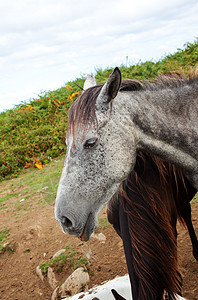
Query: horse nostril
x=66, y=222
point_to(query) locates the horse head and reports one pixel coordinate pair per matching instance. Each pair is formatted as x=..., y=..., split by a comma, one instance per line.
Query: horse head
x=100, y=155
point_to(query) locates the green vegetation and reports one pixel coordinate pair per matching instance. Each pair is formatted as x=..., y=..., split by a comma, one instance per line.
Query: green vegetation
x=5, y=246
x=33, y=133
x=70, y=258
x=26, y=251
x=4, y=233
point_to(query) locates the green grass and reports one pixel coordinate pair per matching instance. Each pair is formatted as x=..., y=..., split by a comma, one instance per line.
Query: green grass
x=35, y=131
x=22, y=206
x=69, y=257
x=7, y=197
x=4, y=234
x=5, y=245
x=26, y=251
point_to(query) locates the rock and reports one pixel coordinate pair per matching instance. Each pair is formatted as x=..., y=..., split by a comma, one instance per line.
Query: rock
x=58, y=253
x=55, y=294
x=100, y=236
x=72, y=285
x=89, y=253
x=39, y=273
x=51, y=278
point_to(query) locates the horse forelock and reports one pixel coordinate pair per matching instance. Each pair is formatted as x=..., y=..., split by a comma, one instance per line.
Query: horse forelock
x=82, y=112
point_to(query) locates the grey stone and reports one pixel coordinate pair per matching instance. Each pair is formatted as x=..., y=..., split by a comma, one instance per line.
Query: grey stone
x=100, y=236
x=58, y=253
x=74, y=283
x=39, y=273
x=51, y=278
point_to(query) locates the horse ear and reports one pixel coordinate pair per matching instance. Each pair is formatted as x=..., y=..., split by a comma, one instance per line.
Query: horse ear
x=110, y=89
x=89, y=82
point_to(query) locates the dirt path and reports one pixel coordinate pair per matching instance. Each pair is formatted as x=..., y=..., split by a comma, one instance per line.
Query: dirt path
x=41, y=235
x=37, y=236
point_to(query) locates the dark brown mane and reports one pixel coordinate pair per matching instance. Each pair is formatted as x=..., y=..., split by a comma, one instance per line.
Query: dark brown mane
x=152, y=205
x=131, y=85
x=151, y=231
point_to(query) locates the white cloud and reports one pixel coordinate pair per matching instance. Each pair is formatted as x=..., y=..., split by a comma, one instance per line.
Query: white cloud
x=46, y=42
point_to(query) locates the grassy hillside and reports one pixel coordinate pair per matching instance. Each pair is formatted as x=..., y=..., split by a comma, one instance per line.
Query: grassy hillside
x=33, y=133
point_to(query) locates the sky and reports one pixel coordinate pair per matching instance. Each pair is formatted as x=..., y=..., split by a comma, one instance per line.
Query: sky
x=45, y=43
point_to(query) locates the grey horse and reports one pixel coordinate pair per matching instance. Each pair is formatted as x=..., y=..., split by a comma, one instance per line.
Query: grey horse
x=107, y=125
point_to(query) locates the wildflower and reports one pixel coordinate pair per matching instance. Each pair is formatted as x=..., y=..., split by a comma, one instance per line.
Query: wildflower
x=75, y=94
x=69, y=87
x=71, y=97
x=38, y=164
x=28, y=106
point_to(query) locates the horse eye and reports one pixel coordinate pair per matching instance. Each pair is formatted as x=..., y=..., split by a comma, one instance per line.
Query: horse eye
x=90, y=143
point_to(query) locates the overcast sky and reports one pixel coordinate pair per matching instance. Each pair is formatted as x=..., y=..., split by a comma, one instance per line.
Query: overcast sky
x=45, y=43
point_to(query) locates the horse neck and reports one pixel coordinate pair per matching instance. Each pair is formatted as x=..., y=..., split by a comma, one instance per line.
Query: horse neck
x=165, y=125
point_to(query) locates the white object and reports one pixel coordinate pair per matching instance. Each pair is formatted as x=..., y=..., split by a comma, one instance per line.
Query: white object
x=103, y=292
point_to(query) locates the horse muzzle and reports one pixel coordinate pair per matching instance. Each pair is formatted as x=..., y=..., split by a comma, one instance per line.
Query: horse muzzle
x=75, y=225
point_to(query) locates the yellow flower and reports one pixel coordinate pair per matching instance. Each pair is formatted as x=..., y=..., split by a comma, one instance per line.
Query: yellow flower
x=57, y=104
x=75, y=94
x=38, y=164
x=28, y=106
x=69, y=87
x=71, y=97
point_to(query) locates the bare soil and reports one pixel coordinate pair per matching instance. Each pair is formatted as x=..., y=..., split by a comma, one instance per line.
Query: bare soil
x=37, y=237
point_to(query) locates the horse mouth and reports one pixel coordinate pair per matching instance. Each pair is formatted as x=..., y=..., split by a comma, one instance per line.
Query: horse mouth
x=89, y=227
x=82, y=235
